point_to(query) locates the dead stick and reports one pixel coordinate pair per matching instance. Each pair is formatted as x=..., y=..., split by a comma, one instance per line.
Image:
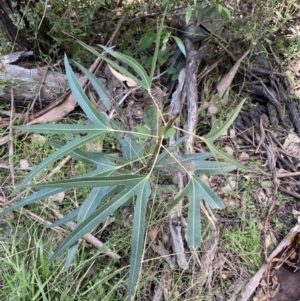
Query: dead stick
x=11, y=139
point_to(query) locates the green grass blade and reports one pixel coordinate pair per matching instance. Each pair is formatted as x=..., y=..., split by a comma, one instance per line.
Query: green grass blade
x=216, y=133
x=143, y=192
x=95, y=116
x=64, y=150
x=93, y=182
x=96, y=217
x=157, y=45
x=99, y=87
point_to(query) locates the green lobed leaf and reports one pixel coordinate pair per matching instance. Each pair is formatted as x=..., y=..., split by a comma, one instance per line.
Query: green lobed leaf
x=44, y=193
x=216, y=151
x=134, y=64
x=97, y=195
x=99, y=216
x=64, y=129
x=67, y=218
x=149, y=118
x=211, y=168
x=141, y=132
x=176, y=163
x=37, y=196
x=91, y=203
x=161, y=157
x=98, y=118
x=94, y=158
x=216, y=133
x=86, y=209
x=170, y=132
x=92, y=181
x=74, y=214
x=70, y=256
x=64, y=150
x=225, y=14
x=99, y=87
x=138, y=232
x=196, y=190
x=194, y=218
x=130, y=149
x=124, y=71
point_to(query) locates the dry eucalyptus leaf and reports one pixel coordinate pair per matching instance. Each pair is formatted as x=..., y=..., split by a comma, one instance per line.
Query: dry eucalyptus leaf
x=268, y=187
x=24, y=164
x=232, y=134
x=38, y=138
x=212, y=110
x=231, y=203
x=244, y=157
x=205, y=179
x=153, y=233
x=229, y=150
x=261, y=196
x=122, y=77
x=231, y=185
x=226, y=81
x=292, y=144
x=2, y=67
x=57, y=197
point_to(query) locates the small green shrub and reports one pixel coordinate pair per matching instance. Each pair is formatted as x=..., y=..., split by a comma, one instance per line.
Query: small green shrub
x=131, y=176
